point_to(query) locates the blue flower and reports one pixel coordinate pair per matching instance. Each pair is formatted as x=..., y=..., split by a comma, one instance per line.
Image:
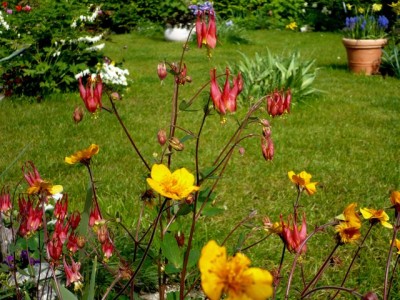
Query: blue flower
x=383, y=22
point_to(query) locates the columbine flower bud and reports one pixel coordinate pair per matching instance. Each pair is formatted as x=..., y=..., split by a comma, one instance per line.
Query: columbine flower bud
x=279, y=102
x=176, y=144
x=115, y=96
x=242, y=151
x=180, y=238
x=162, y=71
x=78, y=114
x=80, y=241
x=267, y=147
x=370, y=296
x=102, y=233
x=162, y=137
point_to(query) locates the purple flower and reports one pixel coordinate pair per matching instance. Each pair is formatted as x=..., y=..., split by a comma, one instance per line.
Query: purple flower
x=9, y=11
x=351, y=22
x=383, y=22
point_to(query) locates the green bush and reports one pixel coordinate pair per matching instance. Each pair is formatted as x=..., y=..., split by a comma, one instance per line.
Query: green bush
x=52, y=43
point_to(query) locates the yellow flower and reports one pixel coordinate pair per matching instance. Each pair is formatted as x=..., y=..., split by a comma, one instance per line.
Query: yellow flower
x=40, y=186
x=177, y=185
x=347, y=233
x=349, y=6
x=232, y=276
x=397, y=244
x=361, y=10
x=395, y=199
x=291, y=26
x=303, y=181
x=396, y=7
x=376, y=215
x=376, y=7
x=350, y=216
x=82, y=156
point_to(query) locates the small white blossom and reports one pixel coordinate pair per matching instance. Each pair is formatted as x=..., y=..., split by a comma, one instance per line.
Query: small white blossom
x=114, y=75
x=96, y=47
x=82, y=74
x=315, y=5
x=57, y=53
x=3, y=22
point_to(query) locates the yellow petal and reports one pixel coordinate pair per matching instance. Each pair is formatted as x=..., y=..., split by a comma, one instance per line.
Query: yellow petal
x=70, y=160
x=291, y=174
x=311, y=188
x=366, y=213
x=386, y=224
x=159, y=172
x=212, y=262
x=56, y=189
x=261, y=286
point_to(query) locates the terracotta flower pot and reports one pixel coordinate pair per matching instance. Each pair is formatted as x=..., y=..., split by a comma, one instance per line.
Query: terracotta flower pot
x=364, y=56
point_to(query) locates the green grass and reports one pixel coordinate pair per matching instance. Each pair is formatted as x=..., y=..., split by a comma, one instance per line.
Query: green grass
x=347, y=137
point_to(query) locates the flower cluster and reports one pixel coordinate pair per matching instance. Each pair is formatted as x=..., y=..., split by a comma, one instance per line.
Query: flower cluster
x=365, y=25
x=18, y=8
x=206, y=29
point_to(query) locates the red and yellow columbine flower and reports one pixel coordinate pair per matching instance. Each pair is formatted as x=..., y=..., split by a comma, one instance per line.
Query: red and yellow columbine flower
x=225, y=100
x=232, y=276
x=303, y=181
x=82, y=156
x=376, y=216
x=294, y=236
x=349, y=226
x=206, y=33
x=36, y=184
x=177, y=185
x=92, y=92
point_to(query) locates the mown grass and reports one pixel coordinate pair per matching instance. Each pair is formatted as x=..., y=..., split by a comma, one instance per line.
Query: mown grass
x=346, y=137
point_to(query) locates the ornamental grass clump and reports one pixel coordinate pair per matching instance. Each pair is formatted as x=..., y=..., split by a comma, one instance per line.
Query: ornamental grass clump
x=90, y=254
x=366, y=22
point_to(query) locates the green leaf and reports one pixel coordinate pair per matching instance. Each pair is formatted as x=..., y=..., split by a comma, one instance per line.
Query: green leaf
x=89, y=292
x=173, y=295
x=171, y=250
x=66, y=294
x=186, y=137
x=184, y=209
x=184, y=105
x=194, y=256
x=171, y=269
x=212, y=211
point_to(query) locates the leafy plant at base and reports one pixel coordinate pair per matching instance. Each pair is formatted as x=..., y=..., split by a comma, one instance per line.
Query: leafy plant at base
x=265, y=73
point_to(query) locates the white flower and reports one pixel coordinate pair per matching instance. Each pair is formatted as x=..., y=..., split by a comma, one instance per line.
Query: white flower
x=315, y=5
x=82, y=74
x=90, y=39
x=96, y=47
x=57, y=53
x=114, y=75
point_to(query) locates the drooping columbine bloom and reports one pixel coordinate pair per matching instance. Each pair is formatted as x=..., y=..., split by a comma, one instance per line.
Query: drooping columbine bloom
x=232, y=276
x=108, y=249
x=5, y=201
x=54, y=249
x=83, y=156
x=303, y=181
x=36, y=184
x=225, y=100
x=177, y=185
x=92, y=92
x=376, y=216
x=61, y=208
x=162, y=71
x=294, y=236
x=279, y=102
x=72, y=272
x=206, y=28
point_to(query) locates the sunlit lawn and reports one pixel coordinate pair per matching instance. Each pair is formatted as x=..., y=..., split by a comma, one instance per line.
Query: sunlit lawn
x=347, y=137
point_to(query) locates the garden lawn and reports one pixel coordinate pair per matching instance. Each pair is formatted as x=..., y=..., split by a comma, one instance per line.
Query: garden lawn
x=347, y=137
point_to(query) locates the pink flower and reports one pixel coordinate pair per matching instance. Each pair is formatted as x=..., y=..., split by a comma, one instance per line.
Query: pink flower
x=92, y=92
x=108, y=249
x=5, y=201
x=72, y=272
x=206, y=34
x=54, y=248
x=294, y=236
x=61, y=230
x=74, y=219
x=279, y=102
x=162, y=71
x=61, y=208
x=225, y=100
x=94, y=217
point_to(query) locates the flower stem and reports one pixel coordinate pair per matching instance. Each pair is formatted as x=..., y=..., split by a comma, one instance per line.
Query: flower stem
x=396, y=229
x=353, y=260
x=128, y=134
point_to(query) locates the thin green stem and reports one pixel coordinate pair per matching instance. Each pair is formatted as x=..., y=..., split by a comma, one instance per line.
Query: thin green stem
x=128, y=134
x=144, y=254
